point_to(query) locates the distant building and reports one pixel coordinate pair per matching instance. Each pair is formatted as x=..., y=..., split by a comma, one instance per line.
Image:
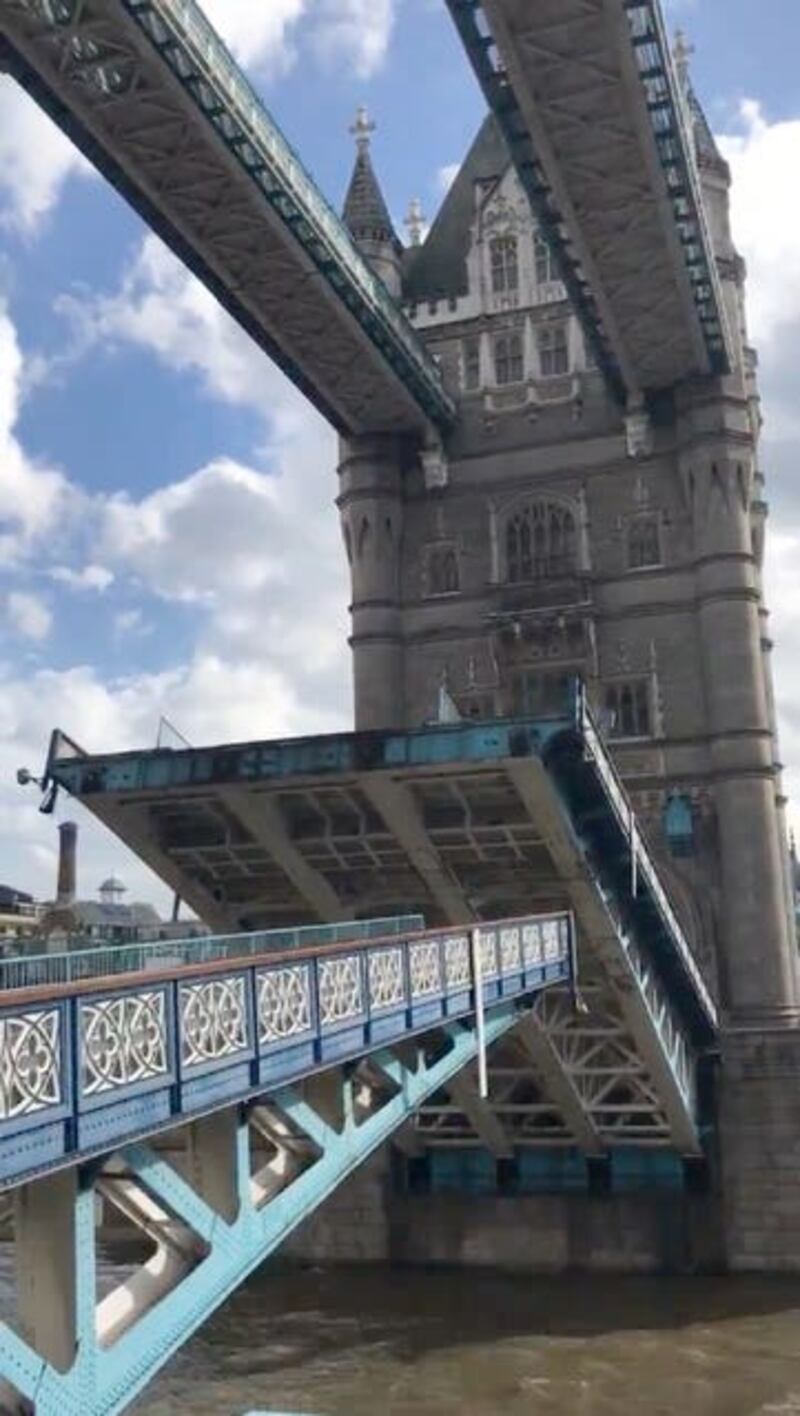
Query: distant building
x=72, y=923
x=19, y=914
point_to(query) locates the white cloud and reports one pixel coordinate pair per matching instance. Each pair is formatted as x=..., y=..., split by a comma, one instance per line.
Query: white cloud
x=91, y=577
x=257, y=33
x=446, y=176
x=209, y=699
x=262, y=577
x=162, y=308
x=34, y=500
x=35, y=159
x=766, y=216
x=356, y=31
x=129, y=622
x=29, y=615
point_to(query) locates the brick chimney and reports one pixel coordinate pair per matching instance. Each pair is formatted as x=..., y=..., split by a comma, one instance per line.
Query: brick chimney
x=67, y=858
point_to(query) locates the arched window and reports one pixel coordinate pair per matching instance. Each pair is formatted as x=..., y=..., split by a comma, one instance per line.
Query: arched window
x=509, y=361
x=442, y=574
x=504, y=264
x=541, y=542
x=644, y=542
x=543, y=259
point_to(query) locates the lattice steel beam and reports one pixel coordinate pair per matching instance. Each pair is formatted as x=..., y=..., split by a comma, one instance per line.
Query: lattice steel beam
x=150, y=94
x=586, y=95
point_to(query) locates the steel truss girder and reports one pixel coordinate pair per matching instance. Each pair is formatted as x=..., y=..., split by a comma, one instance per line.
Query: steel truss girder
x=152, y=97
x=567, y=1075
x=573, y=84
x=212, y=1234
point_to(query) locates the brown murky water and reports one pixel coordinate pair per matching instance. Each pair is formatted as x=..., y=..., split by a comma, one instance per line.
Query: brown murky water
x=410, y=1343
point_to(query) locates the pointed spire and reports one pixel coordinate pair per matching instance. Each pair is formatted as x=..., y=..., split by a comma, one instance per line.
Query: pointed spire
x=415, y=222
x=365, y=212
x=706, y=147
x=682, y=52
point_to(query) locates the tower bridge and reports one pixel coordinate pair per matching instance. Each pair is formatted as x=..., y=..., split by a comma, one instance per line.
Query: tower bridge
x=552, y=507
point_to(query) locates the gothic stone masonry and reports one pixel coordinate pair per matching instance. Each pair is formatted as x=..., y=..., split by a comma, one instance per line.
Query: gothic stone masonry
x=554, y=537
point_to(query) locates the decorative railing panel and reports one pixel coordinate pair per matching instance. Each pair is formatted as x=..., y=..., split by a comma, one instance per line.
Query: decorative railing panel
x=284, y=1003
x=214, y=1023
x=30, y=1063
x=123, y=1041
x=341, y=989
x=148, y=1053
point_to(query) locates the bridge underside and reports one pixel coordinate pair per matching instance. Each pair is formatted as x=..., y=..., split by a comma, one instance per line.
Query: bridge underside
x=467, y=823
x=149, y=93
x=590, y=105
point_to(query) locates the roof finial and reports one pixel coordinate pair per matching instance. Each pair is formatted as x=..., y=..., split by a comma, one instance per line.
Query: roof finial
x=682, y=52
x=415, y=221
x=361, y=129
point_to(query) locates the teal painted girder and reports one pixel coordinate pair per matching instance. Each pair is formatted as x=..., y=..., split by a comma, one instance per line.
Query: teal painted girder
x=103, y=1381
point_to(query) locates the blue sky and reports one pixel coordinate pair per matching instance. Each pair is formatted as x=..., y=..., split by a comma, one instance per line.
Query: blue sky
x=157, y=554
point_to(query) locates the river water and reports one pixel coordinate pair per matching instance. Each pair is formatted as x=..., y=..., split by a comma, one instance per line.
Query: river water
x=413, y=1343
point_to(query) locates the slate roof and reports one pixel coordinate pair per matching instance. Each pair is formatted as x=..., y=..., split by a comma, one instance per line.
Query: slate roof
x=438, y=268
x=365, y=213
x=9, y=896
x=705, y=142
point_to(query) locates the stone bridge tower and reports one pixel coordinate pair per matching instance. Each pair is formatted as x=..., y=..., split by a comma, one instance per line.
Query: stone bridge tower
x=556, y=538
x=555, y=541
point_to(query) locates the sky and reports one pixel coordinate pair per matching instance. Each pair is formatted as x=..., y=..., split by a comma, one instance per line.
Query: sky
x=168, y=541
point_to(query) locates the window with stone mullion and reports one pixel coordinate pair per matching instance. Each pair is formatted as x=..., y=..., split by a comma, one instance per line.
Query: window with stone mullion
x=628, y=709
x=545, y=266
x=504, y=265
x=644, y=543
x=553, y=351
x=509, y=365
x=541, y=543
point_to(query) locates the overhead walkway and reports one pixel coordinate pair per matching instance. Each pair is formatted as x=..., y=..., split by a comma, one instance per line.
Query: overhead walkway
x=149, y=93
x=601, y=135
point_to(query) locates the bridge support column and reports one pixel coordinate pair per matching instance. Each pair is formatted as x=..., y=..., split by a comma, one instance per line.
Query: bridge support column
x=215, y=1164
x=49, y=1259
x=370, y=504
x=758, y=953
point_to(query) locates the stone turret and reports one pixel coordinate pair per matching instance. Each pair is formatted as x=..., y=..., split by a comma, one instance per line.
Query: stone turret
x=366, y=215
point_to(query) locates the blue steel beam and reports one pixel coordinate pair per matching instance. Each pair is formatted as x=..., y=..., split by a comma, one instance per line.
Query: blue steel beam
x=151, y=95
x=107, y=1373
x=86, y=1068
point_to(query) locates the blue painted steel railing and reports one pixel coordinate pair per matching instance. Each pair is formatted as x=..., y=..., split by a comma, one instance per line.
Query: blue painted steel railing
x=83, y=1071
x=644, y=875
x=48, y=970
